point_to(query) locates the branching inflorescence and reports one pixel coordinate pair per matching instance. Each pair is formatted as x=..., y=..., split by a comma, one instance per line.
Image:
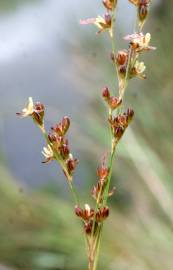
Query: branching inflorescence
x=127, y=66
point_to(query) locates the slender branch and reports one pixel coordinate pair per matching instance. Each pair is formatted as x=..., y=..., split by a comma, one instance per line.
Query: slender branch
x=69, y=177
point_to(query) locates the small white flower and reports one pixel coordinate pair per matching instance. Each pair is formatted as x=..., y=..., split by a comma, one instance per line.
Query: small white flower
x=28, y=110
x=140, y=42
x=139, y=67
x=87, y=208
x=48, y=153
x=103, y=23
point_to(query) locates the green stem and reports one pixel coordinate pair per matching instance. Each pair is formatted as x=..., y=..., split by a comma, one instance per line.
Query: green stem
x=74, y=192
x=98, y=246
x=58, y=159
x=113, y=42
x=106, y=193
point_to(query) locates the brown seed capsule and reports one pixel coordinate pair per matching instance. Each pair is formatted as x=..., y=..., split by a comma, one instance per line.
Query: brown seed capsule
x=122, y=120
x=122, y=71
x=110, y=4
x=65, y=124
x=103, y=172
x=118, y=132
x=62, y=127
x=64, y=151
x=78, y=211
x=102, y=214
x=52, y=137
x=86, y=214
x=96, y=191
x=71, y=165
x=38, y=113
x=106, y=93
x=142, y=12
x=122, y=57
x=88, y=227
x=130, y=114
x=114, y=102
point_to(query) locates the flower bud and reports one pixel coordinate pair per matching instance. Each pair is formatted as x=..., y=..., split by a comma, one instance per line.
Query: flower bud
x=62, y=127
x=110, y=4
x=88, y=227
x=122, y=57
x=71, y=165
x=78, y=211
x=106, y=93
x=52, y=137
x=103, y=172
x=102, y=214
x=142, y=12
x=64, y=151
x=118, y=132
x=114, y=102
x=130, y=114
x=65, y=124
x=122, y=71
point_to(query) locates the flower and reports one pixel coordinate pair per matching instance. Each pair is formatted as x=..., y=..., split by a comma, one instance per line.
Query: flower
x=86, y=214
x=138, y=69
x=48, y=154
x=36, y=111
x=103, y=23
x=120, y=123
x=102, y=214
x=140, y=42
x=121, y=58
x=71, y=164
x=28, y=110
x=112, y=101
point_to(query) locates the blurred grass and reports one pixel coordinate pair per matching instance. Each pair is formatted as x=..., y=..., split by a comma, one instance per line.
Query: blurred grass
x=39, y=231
x=10, y=5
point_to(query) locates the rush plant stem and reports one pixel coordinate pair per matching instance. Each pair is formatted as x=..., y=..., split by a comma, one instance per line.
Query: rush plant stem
x=73, y=190
x=93, y=252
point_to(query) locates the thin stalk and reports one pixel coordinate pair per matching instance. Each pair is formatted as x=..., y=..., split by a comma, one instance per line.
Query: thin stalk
x=106, y=195
x=98, y=247
x=69, y=177
x=113, y=40
x=74, y=192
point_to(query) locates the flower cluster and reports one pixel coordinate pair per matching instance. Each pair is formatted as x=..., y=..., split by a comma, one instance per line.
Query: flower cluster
x=91, y=218
x=127, y=61
x=112, y=101
x=120, y=123
x=57, y=145
x=104, y=23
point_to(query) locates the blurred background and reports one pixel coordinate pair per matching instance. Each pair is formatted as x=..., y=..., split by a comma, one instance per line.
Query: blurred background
x=46, y=54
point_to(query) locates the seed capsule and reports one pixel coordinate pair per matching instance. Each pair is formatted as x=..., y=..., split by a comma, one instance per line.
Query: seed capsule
x=106, y=93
